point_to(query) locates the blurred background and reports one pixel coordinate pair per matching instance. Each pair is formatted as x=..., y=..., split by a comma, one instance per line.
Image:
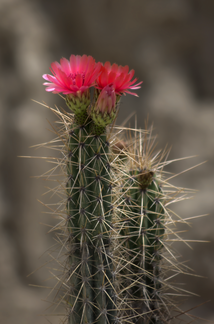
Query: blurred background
x=170, y=44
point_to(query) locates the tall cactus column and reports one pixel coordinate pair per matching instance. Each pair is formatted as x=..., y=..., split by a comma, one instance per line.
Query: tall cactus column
x=89, y=211
x=89, y=226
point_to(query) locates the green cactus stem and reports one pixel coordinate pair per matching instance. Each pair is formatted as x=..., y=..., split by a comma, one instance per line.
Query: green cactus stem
x=142, y=233
x=90, y=295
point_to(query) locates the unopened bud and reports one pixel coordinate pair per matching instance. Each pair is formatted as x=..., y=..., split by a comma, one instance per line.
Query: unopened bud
x=104, y=111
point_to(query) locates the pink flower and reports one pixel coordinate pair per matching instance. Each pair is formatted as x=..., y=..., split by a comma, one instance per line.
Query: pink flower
x=106, y=101
x=119, y=77
x=72, y=76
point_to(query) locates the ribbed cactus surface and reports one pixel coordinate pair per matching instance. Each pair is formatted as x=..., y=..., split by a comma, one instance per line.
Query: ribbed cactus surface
x=141, y=218
x=142, y=232
x=89, y=226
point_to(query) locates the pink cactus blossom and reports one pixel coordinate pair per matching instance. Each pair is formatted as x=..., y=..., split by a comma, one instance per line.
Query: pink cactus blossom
x=72, y=76
x=118, y=76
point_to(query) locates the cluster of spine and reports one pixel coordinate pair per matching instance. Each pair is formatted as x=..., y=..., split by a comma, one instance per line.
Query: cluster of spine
x=117, y=229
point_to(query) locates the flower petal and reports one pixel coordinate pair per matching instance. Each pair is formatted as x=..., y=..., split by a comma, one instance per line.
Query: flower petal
x=65, y=66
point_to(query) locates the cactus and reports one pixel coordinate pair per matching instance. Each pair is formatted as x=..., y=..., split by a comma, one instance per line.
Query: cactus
x=89, y=226
x=146, y=227
x=116, y=228
x=141, y=232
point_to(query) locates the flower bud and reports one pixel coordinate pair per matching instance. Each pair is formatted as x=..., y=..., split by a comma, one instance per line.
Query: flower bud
x=106, y=100
x=104, y=111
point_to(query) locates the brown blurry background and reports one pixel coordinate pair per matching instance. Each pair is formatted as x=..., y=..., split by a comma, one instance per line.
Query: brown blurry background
x=170, y=44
